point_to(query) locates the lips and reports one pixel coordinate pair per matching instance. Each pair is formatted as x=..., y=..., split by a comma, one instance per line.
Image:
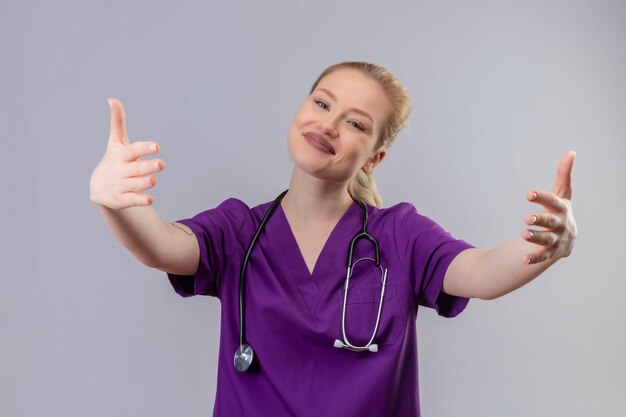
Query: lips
x=318, y=142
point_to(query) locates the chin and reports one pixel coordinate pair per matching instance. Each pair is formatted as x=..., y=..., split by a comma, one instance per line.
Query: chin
x=319, y=169
x=310, y=166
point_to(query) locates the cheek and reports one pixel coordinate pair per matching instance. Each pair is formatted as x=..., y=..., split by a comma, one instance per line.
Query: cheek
x=290, y=142
x=296, y=123
x=358, y=151
x=292, y=134
x=300, y=120
x=295, y=142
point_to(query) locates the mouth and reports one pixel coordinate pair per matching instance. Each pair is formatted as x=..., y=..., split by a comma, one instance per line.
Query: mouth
x=318, y=142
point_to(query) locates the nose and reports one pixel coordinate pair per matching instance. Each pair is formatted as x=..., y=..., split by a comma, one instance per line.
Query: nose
x=328, y=126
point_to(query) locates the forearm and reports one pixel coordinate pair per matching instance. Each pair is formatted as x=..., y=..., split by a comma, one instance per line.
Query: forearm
x=141, y=231
x=500, y=270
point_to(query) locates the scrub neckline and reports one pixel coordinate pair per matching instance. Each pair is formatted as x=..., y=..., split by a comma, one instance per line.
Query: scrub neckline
x=335, y=247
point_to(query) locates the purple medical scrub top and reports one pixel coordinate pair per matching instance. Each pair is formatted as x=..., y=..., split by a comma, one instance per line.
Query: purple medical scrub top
x=293, y=317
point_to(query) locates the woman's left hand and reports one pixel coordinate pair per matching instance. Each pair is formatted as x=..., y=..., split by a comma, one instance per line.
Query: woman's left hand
x=558, y=227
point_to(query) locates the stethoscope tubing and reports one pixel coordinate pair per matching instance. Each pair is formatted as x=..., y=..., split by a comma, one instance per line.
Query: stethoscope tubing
x=346, y=342
x=244, y=265
x=245, y=354
x=363, y=235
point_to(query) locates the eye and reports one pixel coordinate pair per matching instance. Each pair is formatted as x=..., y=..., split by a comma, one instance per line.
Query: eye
x=357, y=125
x=321, y=104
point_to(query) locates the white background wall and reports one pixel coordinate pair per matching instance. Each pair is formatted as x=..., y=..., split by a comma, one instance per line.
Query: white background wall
x=501, y=90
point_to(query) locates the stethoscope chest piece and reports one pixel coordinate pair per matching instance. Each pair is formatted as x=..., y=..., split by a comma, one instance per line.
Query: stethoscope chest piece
x=243, y=357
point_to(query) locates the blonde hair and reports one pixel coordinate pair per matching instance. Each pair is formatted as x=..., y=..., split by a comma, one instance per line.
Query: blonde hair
x=362, y=186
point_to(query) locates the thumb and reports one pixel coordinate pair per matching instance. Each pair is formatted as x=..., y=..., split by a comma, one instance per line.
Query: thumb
x=563, y=184
x=117, y=133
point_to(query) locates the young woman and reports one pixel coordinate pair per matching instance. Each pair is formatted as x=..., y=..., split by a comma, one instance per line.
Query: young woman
x=330, y=337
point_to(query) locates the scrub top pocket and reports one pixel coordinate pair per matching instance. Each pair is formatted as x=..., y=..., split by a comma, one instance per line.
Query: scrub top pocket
x=361, y=312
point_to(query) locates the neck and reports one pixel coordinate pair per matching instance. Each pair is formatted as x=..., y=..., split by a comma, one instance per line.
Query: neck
x=313, y=200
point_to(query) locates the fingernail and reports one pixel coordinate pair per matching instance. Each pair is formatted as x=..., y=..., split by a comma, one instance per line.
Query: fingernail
x=528, y=261
x=532, y=196
x=530, y=234
x=533, y=219
x=153, y=147
x=157, y=165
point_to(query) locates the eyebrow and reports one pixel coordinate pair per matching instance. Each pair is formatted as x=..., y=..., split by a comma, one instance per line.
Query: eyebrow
x=359, y=111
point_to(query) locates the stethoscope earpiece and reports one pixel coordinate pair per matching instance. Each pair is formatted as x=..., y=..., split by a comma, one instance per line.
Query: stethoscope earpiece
x=373, y=347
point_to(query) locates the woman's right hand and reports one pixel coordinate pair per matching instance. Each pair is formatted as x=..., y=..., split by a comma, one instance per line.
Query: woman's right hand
x=121, y=178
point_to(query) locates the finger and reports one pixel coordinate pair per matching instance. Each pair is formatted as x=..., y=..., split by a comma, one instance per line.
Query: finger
x=138, y=149
x=546, y=199
x=138, y=184
x=538, y=256
x=141, y=168
x=135, y=199
x=540, y=237
x=547, y=220
x=563, y=184
x=117, y=133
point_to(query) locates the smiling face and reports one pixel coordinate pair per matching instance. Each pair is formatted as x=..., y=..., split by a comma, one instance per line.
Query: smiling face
x=337, y=128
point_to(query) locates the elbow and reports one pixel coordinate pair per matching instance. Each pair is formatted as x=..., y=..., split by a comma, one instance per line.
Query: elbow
x=150, y=262
x=490, y=294
x=488, y=297
x=148, y=259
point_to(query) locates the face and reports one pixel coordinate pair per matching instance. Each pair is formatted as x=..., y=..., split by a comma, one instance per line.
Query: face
x=336, y=129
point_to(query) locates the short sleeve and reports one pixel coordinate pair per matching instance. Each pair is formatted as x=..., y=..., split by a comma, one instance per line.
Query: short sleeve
x=427, y=250
x=217, y=231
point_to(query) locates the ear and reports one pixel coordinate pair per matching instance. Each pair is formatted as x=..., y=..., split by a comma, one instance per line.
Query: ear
x=376, y=159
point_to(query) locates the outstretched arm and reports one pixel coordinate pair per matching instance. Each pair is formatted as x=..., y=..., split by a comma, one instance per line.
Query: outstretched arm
x=491, y=273
x=118, y=187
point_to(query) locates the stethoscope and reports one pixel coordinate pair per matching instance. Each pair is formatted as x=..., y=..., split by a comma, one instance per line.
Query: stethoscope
x=245, y=355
